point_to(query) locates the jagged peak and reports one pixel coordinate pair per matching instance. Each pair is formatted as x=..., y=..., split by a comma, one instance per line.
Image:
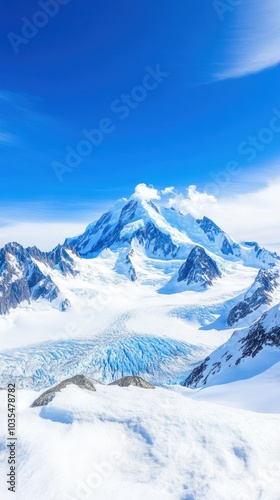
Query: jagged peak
x=199, y=268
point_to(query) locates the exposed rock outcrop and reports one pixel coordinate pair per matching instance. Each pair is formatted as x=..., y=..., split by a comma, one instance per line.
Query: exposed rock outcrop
x=79, y=380
x=199, y=269
x=259, y=294
x=135, y=381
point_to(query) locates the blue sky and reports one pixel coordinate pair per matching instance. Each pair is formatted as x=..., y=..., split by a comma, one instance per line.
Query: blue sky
x=222, y=87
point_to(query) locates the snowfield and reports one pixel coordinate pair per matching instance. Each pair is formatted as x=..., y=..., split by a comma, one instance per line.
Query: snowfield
x=131, y=443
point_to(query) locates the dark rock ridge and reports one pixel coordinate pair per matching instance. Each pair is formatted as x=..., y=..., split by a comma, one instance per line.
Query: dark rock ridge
x=199, y=269
x=22, y=280
x=58, y=258
x=89, y=384
x=155, y=241
x=262, y=334
x=197, y=374
x=259, y=294
x=79, y=380
x=135, y=381
x=261, y=253
x=130, y=268
x=213, y=232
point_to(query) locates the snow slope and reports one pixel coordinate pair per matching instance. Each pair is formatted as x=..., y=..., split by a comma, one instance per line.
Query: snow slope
x=259, y=393
x=130, y=443
x=247, y=353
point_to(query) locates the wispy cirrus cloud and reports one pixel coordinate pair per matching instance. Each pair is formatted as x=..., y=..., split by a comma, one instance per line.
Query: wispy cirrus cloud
x=253, y=39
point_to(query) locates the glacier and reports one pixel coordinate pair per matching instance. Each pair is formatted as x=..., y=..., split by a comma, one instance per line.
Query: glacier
x=159, y=360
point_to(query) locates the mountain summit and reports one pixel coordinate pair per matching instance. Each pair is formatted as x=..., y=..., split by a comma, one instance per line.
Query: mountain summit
x=144, y=242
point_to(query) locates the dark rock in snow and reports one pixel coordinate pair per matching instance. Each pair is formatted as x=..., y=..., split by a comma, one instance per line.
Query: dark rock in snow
x=136, y=381
x=79, y=380
x=155, y=241
x=212, y=231
x=259, y=294
x=243, y=344
x=58, y=258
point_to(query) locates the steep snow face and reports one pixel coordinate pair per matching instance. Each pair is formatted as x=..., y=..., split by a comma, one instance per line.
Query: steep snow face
x=21, y=280
x=125, y=266
x=199, y=269
x=253, y=252
x=248, y=352
x=219, y=239
x=258, y=295
x=137, y=219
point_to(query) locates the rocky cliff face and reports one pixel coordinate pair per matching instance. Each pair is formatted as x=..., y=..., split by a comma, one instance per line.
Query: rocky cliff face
x=259, y=294
x=155, y=242
x=59, y=258
x=216, y=235
x=199, y=269
x=22, y=280
x=239, y=352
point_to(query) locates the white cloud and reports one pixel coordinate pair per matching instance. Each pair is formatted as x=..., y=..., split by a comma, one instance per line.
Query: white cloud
x=145, y=192
x=45, y=224
x=195, y=202
x=253, y=216
x=168, y=190
x=254, y=43
x=44, y=235
x=247, y=216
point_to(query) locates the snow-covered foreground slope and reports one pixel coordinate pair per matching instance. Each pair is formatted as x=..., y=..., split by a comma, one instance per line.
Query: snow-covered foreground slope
x=130, y=443
x=260, y=393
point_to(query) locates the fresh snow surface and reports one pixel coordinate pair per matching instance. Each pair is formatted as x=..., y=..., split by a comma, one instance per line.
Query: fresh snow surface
x=260, y=393
x=130, y=443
